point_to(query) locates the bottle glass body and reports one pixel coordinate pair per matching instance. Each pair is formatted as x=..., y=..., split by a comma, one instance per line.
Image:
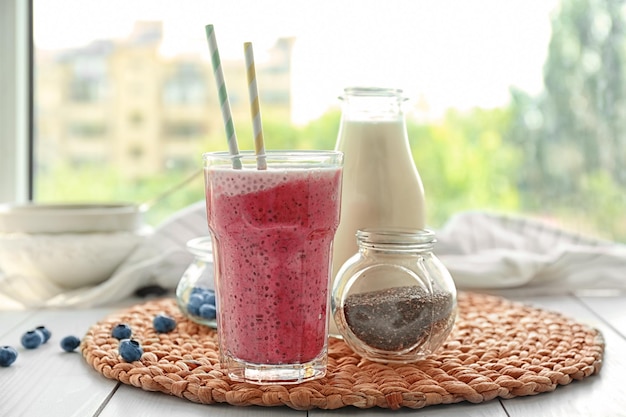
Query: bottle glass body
x=381, y=185
x=394, y=301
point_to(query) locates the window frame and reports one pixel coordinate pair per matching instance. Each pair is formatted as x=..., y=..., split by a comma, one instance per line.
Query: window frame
x=16, y=101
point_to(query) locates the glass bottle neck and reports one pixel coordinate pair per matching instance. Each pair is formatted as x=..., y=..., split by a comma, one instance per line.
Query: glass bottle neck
x=396, y=240
x=371, y=103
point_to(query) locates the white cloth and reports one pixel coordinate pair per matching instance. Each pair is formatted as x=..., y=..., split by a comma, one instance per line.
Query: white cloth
x=493, y=252
x=482, y=251
x=159, y=260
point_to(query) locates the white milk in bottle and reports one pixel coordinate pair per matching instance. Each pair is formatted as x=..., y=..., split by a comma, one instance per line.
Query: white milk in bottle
x=381, y=185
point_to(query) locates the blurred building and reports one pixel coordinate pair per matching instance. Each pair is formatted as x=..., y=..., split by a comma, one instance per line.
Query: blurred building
x=121, y=103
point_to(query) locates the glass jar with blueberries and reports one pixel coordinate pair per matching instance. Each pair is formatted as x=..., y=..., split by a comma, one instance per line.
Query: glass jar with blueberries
x=195, y=292
x=394, y=301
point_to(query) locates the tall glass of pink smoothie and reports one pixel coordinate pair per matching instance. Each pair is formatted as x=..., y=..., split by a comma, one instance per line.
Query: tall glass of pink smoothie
x=273, y=231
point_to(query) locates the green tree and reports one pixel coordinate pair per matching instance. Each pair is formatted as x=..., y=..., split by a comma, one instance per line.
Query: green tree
x=578, y=124
x=573, y=135
x=465, y=164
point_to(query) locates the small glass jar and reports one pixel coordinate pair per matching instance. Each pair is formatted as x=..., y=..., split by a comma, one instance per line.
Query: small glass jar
x=394, y=301
x=195, y=292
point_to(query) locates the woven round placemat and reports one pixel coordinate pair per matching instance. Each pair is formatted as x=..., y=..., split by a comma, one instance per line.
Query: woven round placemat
x=498, y=348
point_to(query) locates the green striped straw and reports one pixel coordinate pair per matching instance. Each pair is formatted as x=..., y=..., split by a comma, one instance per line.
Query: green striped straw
x=255, y=110
x=223, y=96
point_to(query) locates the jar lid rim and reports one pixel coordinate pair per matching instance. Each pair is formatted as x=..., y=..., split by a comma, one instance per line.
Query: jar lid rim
x=396, y=234
x=200, y=246
x=358, y=91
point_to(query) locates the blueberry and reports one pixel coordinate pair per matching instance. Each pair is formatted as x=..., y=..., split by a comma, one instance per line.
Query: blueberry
x=202, y=302
x=45, y=332
x=210, y=298
x=8, y=355
x=197, y=290
x=194, y=304
x=207, y=311
x=70, y=343
x=130, y=350
x=163, y=323
x=205, y=293
x=121, y=331
x=32, y=339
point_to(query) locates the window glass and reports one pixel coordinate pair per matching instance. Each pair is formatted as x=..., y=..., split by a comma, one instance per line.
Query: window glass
x=515, y=106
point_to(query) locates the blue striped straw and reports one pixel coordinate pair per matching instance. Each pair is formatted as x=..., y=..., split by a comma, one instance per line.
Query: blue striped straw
x=223, y=96
x=255, y=110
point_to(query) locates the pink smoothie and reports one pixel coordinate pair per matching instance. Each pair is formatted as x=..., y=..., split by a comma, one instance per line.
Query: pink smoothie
x=273, y=233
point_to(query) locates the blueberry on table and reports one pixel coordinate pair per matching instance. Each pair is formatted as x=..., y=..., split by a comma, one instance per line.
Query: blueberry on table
x=32, y=339
x=70, y=343
x=8, y=355
x=121, y=331
x=45, y=332
x=130, y=350
x=163, y=323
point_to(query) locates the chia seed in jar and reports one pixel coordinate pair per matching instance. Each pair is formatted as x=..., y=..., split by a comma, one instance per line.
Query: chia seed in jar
x=395, y=319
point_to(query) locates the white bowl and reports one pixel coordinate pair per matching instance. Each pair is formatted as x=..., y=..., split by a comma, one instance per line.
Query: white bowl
x=69, y=218
x=67, y=260
x=67, y=245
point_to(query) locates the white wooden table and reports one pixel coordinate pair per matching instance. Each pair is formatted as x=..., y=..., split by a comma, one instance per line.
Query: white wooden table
x=49, y=382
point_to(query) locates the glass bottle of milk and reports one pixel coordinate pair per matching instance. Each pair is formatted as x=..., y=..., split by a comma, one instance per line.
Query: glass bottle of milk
x=381, y=185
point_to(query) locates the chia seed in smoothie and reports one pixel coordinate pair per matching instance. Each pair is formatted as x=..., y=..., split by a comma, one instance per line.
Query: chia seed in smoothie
x=273, y=232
